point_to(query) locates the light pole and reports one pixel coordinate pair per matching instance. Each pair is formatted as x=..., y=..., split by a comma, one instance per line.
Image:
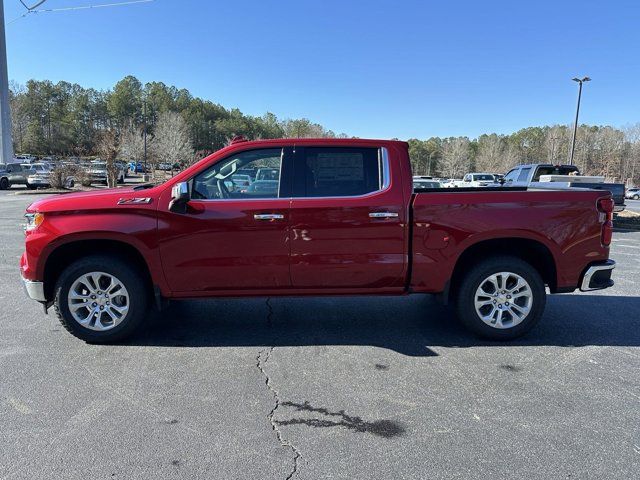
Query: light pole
x=144, y=133
x=6, y=146
x=575, y=125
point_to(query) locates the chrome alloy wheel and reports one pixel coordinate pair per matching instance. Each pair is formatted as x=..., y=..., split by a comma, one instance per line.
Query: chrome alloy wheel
x=98, y=301
x=503, y=300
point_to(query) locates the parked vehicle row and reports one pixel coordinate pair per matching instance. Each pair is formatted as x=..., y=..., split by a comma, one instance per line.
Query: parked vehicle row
x=32, y=175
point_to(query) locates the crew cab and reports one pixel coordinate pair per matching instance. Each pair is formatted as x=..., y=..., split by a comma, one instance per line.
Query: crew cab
x=342, y=218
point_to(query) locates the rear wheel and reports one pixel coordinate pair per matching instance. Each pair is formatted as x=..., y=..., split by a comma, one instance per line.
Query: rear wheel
x=4, y=183
x=636, y=197
x=501, y=298
x=100, y=299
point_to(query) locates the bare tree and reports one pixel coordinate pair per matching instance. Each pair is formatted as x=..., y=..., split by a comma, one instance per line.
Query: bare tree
x=171, y=142
x=19, y=114
x=631, y=162
x=109, y=148
x=490, y=157
x=132, y=143
x=456, y=157
x=556, y=143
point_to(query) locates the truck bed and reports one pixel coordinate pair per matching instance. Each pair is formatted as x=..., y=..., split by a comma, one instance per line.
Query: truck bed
x=446, y=222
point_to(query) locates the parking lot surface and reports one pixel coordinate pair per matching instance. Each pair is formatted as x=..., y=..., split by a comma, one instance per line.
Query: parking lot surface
x=322, y=388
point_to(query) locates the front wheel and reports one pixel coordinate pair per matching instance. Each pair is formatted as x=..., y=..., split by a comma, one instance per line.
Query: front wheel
x=100, y=299
x=501, y=298
x=4, y=183
x=636, y=197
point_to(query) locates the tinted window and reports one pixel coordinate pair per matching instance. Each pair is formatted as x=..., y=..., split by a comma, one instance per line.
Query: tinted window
x=341, y=172
x=224, y=180
x=524, y=174
x=483, y=178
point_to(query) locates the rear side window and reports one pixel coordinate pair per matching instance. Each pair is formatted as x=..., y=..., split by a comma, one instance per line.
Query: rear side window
x=340, y=172
x=524, y=174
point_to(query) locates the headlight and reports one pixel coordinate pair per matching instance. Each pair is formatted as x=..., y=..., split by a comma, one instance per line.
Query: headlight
x=34, y=220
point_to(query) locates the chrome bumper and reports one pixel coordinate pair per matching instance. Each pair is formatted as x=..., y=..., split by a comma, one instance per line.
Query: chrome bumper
x=598, y=276
x=35, y=290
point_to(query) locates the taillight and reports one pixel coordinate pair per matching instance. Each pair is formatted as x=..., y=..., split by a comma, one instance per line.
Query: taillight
x=605, y=206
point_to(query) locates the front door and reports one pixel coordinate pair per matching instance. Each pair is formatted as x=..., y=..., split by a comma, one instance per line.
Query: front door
x=348, y=227
x=235, y=233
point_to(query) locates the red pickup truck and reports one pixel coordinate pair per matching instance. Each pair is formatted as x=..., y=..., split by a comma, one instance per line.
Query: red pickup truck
x=312, y=217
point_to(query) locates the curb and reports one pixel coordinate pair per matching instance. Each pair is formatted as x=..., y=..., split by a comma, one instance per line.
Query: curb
x=44, y=192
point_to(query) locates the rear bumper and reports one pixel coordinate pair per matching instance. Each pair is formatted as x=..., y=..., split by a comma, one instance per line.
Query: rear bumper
x=35, y=290
x=598, y=276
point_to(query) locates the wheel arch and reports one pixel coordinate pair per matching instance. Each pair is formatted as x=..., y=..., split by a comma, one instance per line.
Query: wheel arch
x=66, y=253
x=534, y=252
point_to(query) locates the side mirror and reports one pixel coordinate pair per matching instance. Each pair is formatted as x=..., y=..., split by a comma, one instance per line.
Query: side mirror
x=179, y=197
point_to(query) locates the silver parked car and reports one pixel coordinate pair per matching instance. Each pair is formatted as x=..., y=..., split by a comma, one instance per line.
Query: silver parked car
x=38, y=175
x=633, y=193
x=98, y=171
x=12, y=174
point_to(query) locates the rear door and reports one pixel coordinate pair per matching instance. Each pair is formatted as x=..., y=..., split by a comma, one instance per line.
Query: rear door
x=348, y=222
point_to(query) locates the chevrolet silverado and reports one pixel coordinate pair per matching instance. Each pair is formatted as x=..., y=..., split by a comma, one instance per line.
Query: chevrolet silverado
x=342, y=218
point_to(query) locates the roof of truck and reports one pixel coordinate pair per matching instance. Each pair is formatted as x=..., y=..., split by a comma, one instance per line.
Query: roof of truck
x=313, y=141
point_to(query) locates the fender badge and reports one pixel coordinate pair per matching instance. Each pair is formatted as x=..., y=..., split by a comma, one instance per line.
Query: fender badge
x=134, y=201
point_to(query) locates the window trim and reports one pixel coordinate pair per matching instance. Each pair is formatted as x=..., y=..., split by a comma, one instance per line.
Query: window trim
x=285, y=158
x=383, y=168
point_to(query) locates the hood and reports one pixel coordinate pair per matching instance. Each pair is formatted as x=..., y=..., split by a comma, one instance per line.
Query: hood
x=94, y=200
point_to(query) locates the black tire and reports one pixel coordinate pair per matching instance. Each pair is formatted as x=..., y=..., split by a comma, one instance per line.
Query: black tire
x=128, y=276
x=636, y=197
x=4, y=183
x=31, y=187
x=465, y=296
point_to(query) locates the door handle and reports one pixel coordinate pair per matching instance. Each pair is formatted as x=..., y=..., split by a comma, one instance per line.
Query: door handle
x=268, y=216
x=383, y=215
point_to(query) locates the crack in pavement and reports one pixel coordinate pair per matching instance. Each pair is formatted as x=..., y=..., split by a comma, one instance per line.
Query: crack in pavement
x=261, y=361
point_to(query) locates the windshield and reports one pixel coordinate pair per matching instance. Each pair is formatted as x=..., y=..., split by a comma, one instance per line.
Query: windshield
x=483, y=178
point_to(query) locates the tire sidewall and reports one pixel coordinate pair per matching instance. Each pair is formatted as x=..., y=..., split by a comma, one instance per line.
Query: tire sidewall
x=465, y=301
x=130, y=279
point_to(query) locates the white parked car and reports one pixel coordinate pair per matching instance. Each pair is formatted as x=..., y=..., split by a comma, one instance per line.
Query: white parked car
x=633, y=193
x=478, y=180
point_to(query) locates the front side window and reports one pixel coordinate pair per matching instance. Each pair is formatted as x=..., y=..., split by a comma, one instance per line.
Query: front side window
x=232, y=178
x=341, y=172
x=512, y=175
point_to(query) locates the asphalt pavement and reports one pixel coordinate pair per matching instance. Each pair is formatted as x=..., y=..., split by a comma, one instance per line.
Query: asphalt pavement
x=349, y=388
x=633, y=205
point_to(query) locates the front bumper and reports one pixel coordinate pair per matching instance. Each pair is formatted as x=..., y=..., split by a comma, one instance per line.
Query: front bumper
x=598, y=276
x=35, y=290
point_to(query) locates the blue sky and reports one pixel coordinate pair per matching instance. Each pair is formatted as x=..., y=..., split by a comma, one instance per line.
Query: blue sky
x=368, y=68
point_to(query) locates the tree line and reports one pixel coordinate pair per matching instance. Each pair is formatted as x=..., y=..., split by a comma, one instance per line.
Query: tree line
x=67, y=119
x=600, y=150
